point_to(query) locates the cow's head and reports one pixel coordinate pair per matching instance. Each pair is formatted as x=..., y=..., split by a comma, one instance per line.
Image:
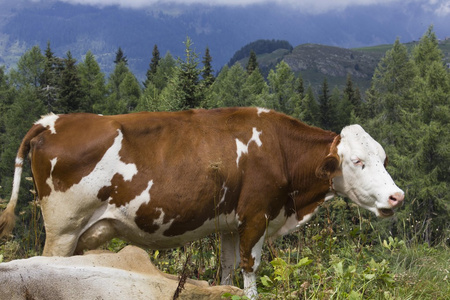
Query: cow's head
x=356, y=166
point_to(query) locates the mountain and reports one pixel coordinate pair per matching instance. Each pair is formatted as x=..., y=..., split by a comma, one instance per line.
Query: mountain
x=224, y=29
x=315, y=62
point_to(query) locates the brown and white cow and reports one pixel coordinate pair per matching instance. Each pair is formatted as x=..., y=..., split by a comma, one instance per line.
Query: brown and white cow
x=162, y=179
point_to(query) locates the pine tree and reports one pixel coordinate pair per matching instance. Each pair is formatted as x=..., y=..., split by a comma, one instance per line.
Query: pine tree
x=30, y=69
x=92, y=83
x=25, y=109
x=325, y=107
x=427, y=52
x=120, y=57
x=252, y=64
x=227, y=89
x=207, y=72
x=310, y=112
x=184, y=90
x=282, y=87
x=115, y=102
x=409, y=101
x=255, y=91
x=153, y=67
x=300, y=89
x=50, y=81
x=349, y=92
x=165, y=71
x=70, y=94
x=391, y=88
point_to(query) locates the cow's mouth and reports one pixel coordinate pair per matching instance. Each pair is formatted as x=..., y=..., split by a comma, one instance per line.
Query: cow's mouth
x=385, y=212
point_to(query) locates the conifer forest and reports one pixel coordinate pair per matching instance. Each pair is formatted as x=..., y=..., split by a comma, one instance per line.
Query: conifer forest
x=344, y=252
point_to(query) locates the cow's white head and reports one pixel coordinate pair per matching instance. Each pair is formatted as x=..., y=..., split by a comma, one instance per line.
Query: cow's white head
x=357, y=169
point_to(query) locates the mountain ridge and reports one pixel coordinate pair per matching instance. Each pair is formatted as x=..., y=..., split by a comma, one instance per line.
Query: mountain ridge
x=224, y=30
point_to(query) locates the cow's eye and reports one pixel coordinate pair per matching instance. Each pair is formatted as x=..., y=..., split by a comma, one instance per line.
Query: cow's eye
x=357, y=162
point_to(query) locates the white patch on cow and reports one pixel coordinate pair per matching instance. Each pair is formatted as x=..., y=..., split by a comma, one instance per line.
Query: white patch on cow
x=16, y=182
x=282, y=225
x=242, y=148
x=225, y=189
x=239, y=222
x=160, y=219
x=49, y=180
x=329, y=196
x=62, y=206
x=111, y=162
x=19, y=161
x=262, y=110
x=48, y=121
x=250, y=289
x=143, y=198
x=364, y=178
x=256, y=253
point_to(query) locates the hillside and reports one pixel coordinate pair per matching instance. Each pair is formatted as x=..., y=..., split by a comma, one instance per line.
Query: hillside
x=224, y=29
x=315, y=62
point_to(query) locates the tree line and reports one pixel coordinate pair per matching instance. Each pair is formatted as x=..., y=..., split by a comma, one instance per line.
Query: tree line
x=406, y=109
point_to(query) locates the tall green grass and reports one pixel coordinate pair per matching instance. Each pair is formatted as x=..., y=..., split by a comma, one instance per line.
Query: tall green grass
x=342, y=253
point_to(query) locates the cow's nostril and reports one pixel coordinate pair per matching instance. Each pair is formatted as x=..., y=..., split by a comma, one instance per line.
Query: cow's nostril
x=396, y=199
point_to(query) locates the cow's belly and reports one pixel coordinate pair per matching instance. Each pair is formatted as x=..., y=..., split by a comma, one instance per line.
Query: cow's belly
x=122, y=219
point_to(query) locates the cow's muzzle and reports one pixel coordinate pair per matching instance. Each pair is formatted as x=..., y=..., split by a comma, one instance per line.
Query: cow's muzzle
x=395, y=201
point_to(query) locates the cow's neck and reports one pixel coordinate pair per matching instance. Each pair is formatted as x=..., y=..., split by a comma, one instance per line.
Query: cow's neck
x=305, y=150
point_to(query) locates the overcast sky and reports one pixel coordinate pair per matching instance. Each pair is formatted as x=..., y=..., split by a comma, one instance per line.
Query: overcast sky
x=439, y=7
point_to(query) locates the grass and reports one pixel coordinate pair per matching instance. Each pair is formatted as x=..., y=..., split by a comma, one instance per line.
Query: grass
x=340, y=254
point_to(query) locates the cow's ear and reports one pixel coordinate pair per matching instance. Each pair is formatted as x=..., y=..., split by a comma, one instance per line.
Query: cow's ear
x=330, y=166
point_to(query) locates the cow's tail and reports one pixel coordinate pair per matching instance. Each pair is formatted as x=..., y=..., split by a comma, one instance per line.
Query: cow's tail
x=8, y=217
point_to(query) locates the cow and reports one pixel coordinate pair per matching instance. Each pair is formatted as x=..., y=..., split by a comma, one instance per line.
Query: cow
x=128, y=274
x=161, y=179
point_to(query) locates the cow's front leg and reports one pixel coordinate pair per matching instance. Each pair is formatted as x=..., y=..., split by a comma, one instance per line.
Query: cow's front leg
x=229, y=256
x=251, y=242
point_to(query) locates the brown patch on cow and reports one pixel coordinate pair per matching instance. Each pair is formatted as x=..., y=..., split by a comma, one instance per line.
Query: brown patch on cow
x=104, y=193
x=122, y=192
x=85, y=139
x=145, y=217
x=329, y=167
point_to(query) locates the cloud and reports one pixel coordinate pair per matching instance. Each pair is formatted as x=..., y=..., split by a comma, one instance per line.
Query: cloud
x=308, y=6
x=441, y=8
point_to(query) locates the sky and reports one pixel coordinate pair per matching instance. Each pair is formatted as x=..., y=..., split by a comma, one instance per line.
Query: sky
x=441, y=8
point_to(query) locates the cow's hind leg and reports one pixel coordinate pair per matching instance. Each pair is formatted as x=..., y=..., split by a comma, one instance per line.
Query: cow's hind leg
x=229, y=256
x=98, y=234
x=59, y=244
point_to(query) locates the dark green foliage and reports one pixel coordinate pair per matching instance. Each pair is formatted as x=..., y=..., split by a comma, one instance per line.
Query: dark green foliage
x=120, y=57
x=185, y=91
x=406, y=109
x=326, y=115
x=252, y=63
x=153, y=67
x=70, y=93
x=408, y=106
x=259, y=47
x=207, y=71
x=92, y=83
x=51, y=79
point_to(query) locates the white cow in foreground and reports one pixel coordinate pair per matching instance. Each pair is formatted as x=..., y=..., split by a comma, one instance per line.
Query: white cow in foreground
x=127, y=275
